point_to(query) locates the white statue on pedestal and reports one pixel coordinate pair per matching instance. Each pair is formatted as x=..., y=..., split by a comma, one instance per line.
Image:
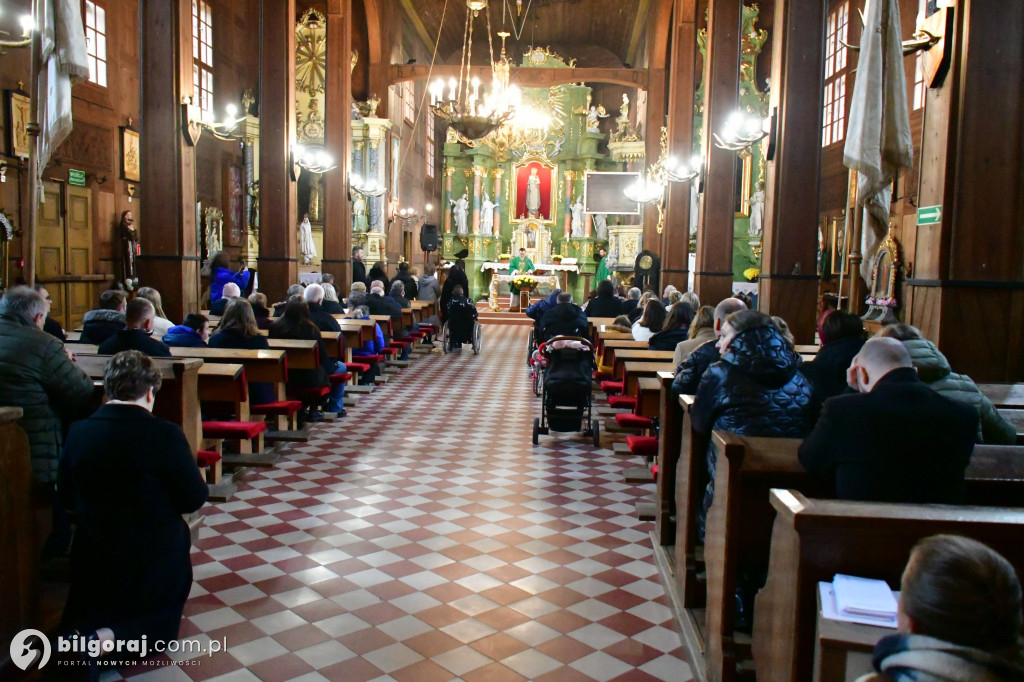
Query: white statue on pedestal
x=487, y=214
x=461, y=213
x=756, y=203
x=594, y=118
x=533, y=194
x=306, y=246
x=601, y=226
x=577, y=218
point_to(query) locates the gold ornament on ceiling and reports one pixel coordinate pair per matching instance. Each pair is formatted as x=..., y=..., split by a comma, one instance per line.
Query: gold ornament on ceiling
x=311, y=52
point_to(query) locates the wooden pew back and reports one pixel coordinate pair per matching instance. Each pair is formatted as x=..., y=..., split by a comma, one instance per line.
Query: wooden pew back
x=19, y=571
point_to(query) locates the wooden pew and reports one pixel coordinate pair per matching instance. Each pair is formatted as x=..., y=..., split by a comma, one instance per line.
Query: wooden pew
x=813, y=539
x=225, y=383
x=302, y=353
x=648, y=395
x=19, y=569
x=1015, y=417
x=638, y=355
x=607, y=349
x=1010, y=396
x=632, y=372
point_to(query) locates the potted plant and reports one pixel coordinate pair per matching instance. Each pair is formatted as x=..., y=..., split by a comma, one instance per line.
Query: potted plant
x=751, y=274
x=504, y=258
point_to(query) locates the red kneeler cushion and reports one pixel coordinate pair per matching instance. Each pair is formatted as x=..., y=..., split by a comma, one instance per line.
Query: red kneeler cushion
x=398, y=343
x=284, y=408
x=207, y=458
x=368, y=358
x=340, y=378
x=632, y=421
x=613, y=387
x=233, y=430
x=357, y=367
x=643, y=446
x=389, y=350
x=626, y=401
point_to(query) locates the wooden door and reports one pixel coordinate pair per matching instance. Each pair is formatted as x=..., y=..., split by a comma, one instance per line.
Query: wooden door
x=78, y=254
x=50, y=249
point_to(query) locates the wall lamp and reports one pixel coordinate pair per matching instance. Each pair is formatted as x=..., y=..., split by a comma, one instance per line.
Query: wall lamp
x=28, y=24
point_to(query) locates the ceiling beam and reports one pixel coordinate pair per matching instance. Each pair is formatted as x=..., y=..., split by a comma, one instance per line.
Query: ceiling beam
x=524, y=77
x=417, y=24
x=638, y=31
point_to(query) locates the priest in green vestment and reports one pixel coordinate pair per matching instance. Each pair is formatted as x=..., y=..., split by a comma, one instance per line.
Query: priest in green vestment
x=520, y=264
x=602, y=266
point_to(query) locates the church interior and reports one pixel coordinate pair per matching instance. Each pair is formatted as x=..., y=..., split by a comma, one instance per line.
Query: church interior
x=767, y=149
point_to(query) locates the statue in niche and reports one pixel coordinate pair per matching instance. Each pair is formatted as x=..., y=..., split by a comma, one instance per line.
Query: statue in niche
x=756, y=203
x=214, y=221
x=594, y=118
x=487, y=214
x=461, y=213
x=601, y=226
x=130, y=249
x=360, y=222
x=306, y=246
x=533, y=194
x=577, y=218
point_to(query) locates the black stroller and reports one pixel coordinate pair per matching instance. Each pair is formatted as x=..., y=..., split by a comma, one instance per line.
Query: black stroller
x=568, y=375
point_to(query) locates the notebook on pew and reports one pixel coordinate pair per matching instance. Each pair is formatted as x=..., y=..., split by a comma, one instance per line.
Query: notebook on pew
x=859, y=600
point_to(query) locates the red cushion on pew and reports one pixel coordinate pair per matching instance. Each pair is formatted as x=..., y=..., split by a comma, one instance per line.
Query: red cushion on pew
x=357, y=367
x=428, y=327
x=612, y=387
x=632, y=421
x=654, y=471
x=233, y=430
x=340, y=378
x=398, y=343
x=644, y=446
x=626, y=401
x=388, y=351
x=279, y=407
x=206, y=458
x=368, y=358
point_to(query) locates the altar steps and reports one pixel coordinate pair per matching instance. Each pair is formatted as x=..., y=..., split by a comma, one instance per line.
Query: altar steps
x=503, y=316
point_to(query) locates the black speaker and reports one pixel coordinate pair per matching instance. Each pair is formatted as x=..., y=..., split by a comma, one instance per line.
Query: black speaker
x=428, y=238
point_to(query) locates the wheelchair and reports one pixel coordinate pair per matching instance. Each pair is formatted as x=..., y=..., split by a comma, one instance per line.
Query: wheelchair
x=456, y=328
x=447, y=342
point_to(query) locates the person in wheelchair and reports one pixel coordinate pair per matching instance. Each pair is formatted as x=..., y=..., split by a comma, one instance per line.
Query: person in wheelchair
x=564, y=319
x=461, y=317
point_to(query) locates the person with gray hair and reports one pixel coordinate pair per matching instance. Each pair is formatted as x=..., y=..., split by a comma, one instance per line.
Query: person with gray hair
x=137, y=333
x=895, y=439
x=293, y=290
x=314, y=296
x=230, y=291
x=331, y=303
x=632, y=299
x=38, y=375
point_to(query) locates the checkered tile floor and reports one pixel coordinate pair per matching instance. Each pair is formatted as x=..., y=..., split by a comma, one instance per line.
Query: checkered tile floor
x=424, y=538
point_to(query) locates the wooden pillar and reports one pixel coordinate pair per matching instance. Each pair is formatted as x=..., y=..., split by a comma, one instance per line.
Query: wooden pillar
x=789, y=282
x=278, y=265
x=713, y=279
x=337, y=258
x=675, y=239
x=167, y=219
x=965, y=289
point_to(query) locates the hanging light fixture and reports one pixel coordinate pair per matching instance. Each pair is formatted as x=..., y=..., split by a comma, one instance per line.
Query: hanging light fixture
x=471, y=116
x=741, y=130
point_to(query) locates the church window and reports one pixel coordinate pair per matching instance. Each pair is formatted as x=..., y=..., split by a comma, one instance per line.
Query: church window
x=202, y=57
x=96, y=42
x=409, y=101
x=431, y=160
x=833, y=123
x=919, y=88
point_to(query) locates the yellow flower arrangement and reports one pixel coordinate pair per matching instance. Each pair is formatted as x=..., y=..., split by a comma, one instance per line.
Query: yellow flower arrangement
x=524, y=282
x=504, y=256
x=751, y=274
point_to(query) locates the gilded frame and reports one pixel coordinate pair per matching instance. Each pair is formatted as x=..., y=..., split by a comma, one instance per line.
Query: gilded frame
x=837, y=235
x=513, y=187
x=131, y=170
x=17, y=115
x=886, y=248
x=741, y=203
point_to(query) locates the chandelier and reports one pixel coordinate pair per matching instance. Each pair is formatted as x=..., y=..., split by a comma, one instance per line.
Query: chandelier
x=741, y=130
x=471, y=116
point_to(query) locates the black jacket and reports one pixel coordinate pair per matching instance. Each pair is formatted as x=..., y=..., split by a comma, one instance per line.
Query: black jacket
x=332, y=307
x=127, y=477
x=53, y=328
x=902, y=442
x=629, y=305
x=691, y=370
x=455, y=277
x=411, y=288
x=379, y=305
x=99, y=325
x=323, y=319
x=134, y=339
x=635, y=314
x=604, y=306
x=260, y=393
x=754, y=389
x=827, y=371
x=263, y=316
x=358, y=271
x=668, y=339
x=217, y=307
x=305, y=378
x=564, y=319
x=379, y=274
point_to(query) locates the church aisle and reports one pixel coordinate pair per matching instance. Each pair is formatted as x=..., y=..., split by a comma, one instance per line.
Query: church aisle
x=424, y=538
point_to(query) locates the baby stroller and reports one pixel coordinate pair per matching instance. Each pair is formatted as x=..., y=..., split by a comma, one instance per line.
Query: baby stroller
x=565, y=400
x=461, y=326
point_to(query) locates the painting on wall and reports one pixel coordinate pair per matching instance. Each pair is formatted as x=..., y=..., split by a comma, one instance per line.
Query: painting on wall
x=837, y=252
x=236, y=204
x=131, y=170
x=17, y=115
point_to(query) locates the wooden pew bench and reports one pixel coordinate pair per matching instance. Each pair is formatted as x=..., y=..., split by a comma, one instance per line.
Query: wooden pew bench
x=1010, y=396
x=813, y=539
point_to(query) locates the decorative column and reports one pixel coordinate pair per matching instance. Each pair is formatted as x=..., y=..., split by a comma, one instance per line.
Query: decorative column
x=497, y=173
x=478, y=173
x=788, y=281
x=337, y=255
x=278, y=265
x=170, y=259
x=569, y=175
x=446, y=205
x=251, y=161
x=376, y=131
x=713, y=279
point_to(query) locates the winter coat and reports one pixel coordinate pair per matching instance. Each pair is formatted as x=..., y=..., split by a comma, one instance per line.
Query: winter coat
x=691, y=371
x=411, y=289
x=428, y=289
x=604, y=306
x=184, y=337
x=827, y=371
x=99, y=325
x=667, y=339
x=134, y=339
x=934, y=370
x=359, y=271
x=919, y=658
x=565, y=319
x=37, y=375
x=684, y=348
x=379, y=274
x=536, y=310
x=332, y=307
x=222, y=276
x=53, y=328
x=754, y=389
x=323, y=319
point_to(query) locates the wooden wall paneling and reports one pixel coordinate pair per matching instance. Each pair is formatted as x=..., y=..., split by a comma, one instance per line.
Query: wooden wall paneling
x=337, y=256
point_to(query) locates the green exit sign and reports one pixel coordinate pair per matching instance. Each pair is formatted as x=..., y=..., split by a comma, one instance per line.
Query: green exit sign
x=76, y=177
x=929, y=215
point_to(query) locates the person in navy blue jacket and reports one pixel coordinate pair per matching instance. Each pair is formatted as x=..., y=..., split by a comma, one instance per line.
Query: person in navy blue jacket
x=221, y=273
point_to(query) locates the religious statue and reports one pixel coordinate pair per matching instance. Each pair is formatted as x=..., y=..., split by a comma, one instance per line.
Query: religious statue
x=577, y=218
x=624, y=131
x=533, y=194
x=214, y=242
x=130, y=249
x=601, y=226
x=460, y=211
x=306, y=246
x=594, y=118
x=254, y=205
x=756, y=203
x=487, y=214
x=360, y=222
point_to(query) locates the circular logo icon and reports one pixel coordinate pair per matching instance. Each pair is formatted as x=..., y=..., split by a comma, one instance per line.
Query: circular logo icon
x=30, y=650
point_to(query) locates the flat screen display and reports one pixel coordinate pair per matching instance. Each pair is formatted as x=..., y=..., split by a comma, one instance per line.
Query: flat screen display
x=603, y=193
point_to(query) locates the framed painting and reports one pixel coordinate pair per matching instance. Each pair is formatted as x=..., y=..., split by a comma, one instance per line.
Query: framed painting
x=838, y=250
x=534, y=189
x=235, y=200
x=130, y=168
x=16, y=119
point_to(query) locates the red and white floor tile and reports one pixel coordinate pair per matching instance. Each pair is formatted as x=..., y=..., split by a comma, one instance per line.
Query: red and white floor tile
x=424, y=538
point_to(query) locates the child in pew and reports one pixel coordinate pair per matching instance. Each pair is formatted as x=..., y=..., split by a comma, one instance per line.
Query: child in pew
x=193, y=332
x=959, y=617
x=127, y=477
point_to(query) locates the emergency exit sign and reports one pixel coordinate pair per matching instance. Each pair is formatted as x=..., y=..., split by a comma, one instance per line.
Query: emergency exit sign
x=76, y=177
x=929, y=215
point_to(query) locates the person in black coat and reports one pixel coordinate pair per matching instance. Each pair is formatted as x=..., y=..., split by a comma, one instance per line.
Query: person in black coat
x=50, y=325
x=292, y=291
x=565, y=319
x=842, y=337
x=260, y=311
x=691, y=370
x=675, y=329
x=295, y=324
x=137, y=334
x=456, y=277
x=405, y=277
x=895, y=440
x=100, y=324
x=238, y=330
x=379, y=273
x=331, y=304
x=324, y=321
x=128, y=477
x=605, y=303
x=632, y=300
x=358, y=267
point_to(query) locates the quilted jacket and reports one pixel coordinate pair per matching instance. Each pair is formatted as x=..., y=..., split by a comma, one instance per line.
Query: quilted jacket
x=934, y=370
x=691, y=370
x=754, y=389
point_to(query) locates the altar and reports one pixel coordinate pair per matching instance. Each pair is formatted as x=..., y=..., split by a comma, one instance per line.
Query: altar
x=551, y=279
